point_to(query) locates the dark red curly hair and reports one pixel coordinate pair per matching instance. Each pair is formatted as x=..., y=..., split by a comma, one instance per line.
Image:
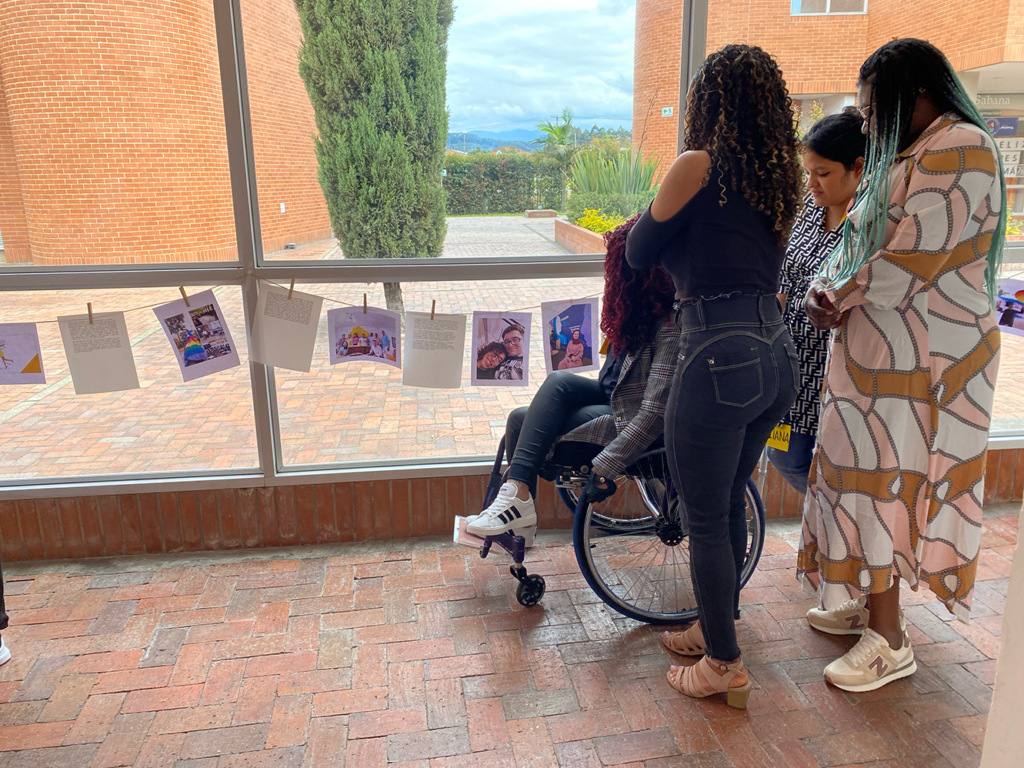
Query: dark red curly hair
x=635, y=301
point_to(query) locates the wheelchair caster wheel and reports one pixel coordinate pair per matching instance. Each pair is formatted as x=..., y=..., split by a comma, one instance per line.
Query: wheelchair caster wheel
x=518, y=572
x=530, y=590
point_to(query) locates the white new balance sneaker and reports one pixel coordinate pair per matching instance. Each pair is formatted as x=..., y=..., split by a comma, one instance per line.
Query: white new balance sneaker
x=871, y=663
x=506, y=513
x=850, y=618
x=5, y=654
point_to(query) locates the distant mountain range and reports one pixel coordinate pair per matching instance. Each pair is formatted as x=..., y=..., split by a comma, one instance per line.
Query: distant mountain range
x=490, y=140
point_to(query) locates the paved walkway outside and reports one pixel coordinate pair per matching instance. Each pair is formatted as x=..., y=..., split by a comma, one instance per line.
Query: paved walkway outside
x=415, y=653
x=466, y=236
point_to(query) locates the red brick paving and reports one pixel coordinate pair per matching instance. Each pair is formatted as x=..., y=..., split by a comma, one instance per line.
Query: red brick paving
x=415, y=653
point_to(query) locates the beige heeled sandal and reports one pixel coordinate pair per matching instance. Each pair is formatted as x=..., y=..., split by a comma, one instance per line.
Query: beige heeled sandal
x=689, y=642
x=702, y=680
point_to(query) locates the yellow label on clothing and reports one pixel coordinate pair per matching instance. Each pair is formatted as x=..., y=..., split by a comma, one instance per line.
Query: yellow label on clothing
x=604, y=346
x=780, y=438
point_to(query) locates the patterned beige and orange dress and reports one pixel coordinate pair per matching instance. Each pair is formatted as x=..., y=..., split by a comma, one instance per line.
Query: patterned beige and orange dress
x=897, y=480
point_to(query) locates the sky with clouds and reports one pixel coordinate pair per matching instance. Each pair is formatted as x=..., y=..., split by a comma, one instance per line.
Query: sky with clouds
x=513, y=63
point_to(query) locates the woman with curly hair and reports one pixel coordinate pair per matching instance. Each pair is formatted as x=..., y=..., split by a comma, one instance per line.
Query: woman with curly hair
x=897, y=485
x=623, y=409
x=719, y=225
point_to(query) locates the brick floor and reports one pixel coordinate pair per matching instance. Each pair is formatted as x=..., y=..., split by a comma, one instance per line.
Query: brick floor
x=334, y=656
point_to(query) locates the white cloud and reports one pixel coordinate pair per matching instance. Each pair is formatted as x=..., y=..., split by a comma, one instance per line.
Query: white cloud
x=513, y=64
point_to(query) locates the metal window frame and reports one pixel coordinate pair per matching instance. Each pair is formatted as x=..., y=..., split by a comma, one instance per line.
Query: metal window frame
x=250, y=268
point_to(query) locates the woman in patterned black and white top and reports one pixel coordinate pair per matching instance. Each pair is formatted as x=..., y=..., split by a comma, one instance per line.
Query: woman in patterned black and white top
x=833, y=158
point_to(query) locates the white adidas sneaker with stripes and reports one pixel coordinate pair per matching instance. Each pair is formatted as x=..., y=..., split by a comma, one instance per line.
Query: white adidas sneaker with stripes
x=506, y=513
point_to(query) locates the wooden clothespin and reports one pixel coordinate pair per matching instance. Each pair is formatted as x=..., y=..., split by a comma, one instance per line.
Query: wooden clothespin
x=89, y=306
x=184, y=296
x=433, y=305
x=290, y=289
x=364, y=303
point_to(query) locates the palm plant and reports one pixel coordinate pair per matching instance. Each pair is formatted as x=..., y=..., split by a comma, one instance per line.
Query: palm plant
x=559, y=146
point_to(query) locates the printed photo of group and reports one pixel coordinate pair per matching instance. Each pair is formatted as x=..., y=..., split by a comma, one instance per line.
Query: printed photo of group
x=571, y=333
x=501, y=341
x=373, y=335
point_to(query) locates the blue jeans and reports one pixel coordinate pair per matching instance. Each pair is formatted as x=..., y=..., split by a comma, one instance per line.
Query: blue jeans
x=735, y=380
x=564, y=401
x=795, y=464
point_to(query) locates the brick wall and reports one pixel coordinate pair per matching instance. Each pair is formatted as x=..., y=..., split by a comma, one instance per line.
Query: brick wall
x=659, y=29
x=252, y=518
x=577, y=239
x=116, y=122
x=819, y=55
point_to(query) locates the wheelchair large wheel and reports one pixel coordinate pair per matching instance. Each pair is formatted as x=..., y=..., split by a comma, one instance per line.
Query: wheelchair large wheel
x=633, y=550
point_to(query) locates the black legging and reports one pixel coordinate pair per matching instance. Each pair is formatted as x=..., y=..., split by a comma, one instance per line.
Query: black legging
x=563, y=402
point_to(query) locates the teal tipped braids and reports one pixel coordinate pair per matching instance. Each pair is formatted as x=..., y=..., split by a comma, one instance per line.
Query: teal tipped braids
x=898, y=72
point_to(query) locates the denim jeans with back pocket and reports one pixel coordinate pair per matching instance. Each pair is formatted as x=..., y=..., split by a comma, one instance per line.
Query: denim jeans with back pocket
x=736, y=379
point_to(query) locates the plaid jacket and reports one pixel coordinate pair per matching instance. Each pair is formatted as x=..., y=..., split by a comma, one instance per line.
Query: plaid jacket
x=638, y=405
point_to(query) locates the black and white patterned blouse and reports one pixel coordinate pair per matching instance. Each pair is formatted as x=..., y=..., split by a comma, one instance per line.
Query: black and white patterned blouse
x=809, y=246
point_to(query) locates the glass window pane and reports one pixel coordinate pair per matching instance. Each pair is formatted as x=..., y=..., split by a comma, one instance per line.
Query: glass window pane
x=813, y=6
x=506, y=73
x=112, y=142
x=165, y=425
x=846, y=6
x=355, y=412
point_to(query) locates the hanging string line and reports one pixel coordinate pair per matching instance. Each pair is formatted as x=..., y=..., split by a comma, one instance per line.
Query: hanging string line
x=134, y=309
x=346, y=304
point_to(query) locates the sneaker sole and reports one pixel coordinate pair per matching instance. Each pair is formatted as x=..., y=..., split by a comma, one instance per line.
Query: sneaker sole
x=522, y=524
x=906, y=671
x=835, y=630
x=5, y=657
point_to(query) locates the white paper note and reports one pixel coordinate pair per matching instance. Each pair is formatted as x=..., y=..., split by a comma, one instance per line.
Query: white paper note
x=373, y=335
x=99, y=353
x=434, y=350
x=21, y=361
x=500, y=351
x=284, y=329
x=199, y=335
x=570, y=335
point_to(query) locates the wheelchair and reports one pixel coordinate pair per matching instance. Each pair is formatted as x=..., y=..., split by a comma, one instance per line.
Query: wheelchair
x=632, y=548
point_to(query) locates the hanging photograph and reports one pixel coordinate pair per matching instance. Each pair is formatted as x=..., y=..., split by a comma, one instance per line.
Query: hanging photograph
x=371, y=335
x=99, y=352
x=501, y=349
x=198, y=334
x=1010, y=306
x=21, y=361
x=570, y=328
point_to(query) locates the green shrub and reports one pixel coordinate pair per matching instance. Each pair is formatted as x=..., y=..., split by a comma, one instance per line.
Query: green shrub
x=625, y=206
x=624, y=173
x=482, y=183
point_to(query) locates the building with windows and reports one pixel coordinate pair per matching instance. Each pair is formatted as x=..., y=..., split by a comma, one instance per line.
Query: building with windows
x=820, y=45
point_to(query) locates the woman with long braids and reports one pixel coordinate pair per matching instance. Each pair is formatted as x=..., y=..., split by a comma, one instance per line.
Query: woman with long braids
x=905, y=416
x=719, y=225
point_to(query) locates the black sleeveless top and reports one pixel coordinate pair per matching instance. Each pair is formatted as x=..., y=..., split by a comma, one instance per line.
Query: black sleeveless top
x=708, y=247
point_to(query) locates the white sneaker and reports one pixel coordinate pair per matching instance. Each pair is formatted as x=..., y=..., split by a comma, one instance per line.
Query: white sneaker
x=871, y=663
x=850, y=618
x=505, y=514
x=5, y=653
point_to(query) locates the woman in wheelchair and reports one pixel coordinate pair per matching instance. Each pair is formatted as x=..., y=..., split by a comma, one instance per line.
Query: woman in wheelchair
x=623, y=409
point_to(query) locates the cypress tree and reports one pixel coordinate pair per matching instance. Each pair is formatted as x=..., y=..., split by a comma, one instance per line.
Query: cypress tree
x=375, y=73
